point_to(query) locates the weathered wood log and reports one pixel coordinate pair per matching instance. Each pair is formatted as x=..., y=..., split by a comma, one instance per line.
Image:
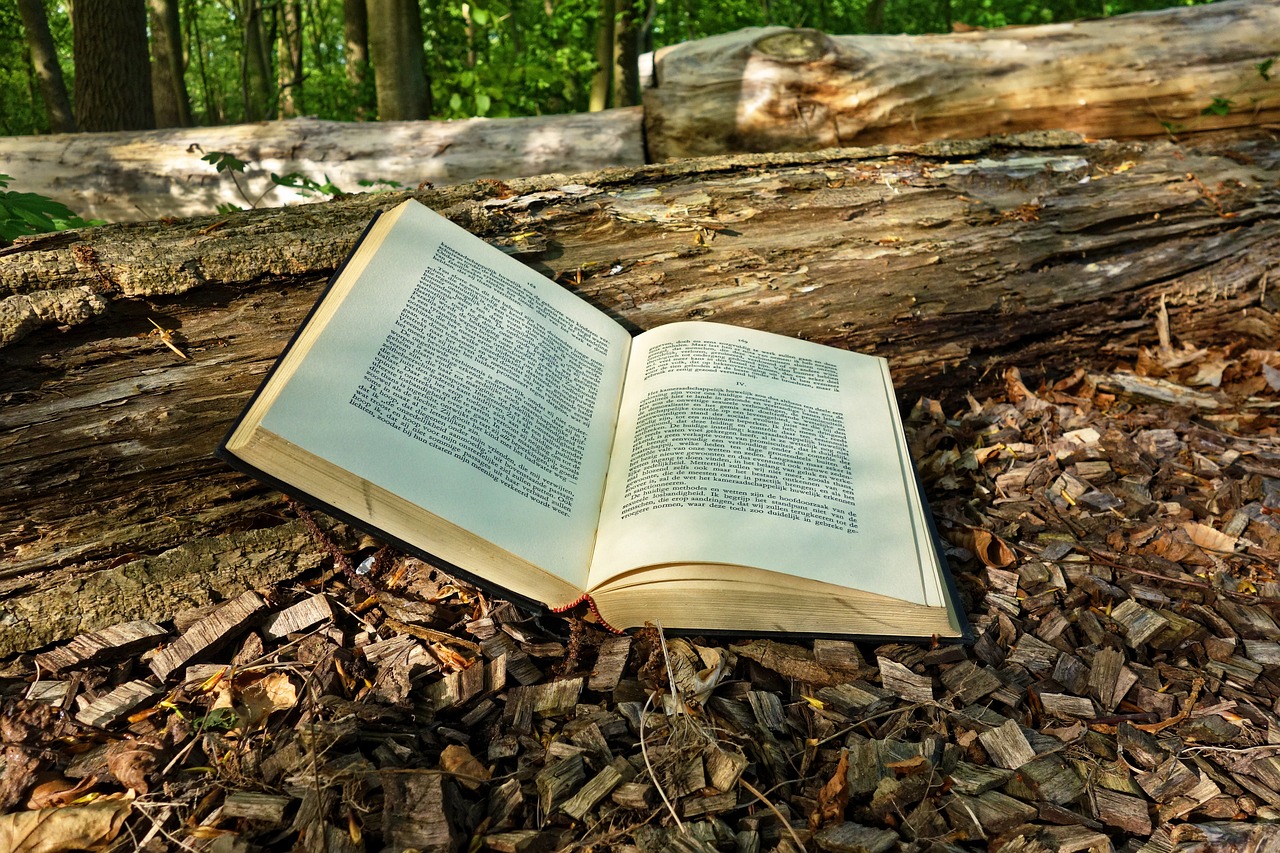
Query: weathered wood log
x=1139, y=75
x=123, y=177
x=949, y=259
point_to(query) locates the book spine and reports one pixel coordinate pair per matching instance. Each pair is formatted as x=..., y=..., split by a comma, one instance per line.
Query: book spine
x=586, y=599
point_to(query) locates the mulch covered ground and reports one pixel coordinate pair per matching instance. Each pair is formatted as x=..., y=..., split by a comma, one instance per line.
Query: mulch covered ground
x=1115, y=537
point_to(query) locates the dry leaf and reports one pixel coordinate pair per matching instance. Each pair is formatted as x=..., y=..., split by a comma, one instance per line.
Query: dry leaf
x=1209, y=538
x=985, y=545
x=256, y=701
x=58, y=790
x=85, y=827
x=834, y=796
x=465, y=767
x=131, y=762
x=271, y=693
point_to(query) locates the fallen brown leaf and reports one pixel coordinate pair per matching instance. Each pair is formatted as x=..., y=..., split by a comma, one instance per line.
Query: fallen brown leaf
x=84, y=827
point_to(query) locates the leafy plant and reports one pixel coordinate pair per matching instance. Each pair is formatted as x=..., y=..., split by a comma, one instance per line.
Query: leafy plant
x=232, y=165
x=1218, y=107
x=30, y=213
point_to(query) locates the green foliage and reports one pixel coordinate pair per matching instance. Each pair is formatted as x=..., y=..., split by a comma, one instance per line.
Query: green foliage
x=307, y=186
x=28, y=213
x=224, y=162
x=1218, y=107
x=1264, y=69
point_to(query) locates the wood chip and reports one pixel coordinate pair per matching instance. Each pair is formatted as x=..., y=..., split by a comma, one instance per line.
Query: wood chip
x=114, y=642
x=298, y=617
x=1007, y=745
x=205, y=636
x=116, y=703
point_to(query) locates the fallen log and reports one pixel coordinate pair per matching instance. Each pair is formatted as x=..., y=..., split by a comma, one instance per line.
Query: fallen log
x=950, y=259
x=133, y=176
x=1140, y=75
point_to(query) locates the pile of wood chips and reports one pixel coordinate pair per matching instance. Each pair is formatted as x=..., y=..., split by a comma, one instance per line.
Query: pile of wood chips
x=1116, y=538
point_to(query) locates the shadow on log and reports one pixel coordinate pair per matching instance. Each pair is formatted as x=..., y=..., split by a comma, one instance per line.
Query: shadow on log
x=950, y=259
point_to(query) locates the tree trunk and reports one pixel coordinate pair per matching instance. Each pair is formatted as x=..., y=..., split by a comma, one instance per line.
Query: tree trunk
x=168, y=69
x=626, y=55
x=952, y=260
x=44, y=57
x=395, y=43
x=255, y=70
x=1142, y=75
x=113, y=70
x=289, y=59
x=121, y=177
x=602, y=80
x=355, y=30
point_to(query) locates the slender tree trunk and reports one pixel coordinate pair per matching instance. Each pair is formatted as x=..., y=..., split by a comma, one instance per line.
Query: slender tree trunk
x=212, y=109
x=44, y=59
x=395, y=43
x=168, y=70
x=873, y=22
x=626, y=55
x=113, y=69
x=355, y=30
x=602, y=82
x=289, y=59
x=255, y=72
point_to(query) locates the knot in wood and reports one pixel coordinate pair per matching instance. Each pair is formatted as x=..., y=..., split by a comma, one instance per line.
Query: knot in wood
x=795, y=46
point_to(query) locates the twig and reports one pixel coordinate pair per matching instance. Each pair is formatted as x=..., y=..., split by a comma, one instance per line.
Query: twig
x=751, y=789
x=644, y=752
x=339, y=558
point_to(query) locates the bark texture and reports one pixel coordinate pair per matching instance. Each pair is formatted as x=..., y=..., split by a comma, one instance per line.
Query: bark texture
x=952, y=260
x=395, y=44
x=113, y=71
x=168, y=69
x=1138, y=75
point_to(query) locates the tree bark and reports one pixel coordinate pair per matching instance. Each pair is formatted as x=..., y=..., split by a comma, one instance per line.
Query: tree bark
x=289, y=59
x=44, y=57
x=168, y=69
x=395, y=43
x=953, y=260
x=1141, y=75
x=255, y=70
x=602, y=80
x=113, y=70
x=355, y=31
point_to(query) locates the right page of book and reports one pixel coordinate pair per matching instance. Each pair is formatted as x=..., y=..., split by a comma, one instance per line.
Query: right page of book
x=742, y=447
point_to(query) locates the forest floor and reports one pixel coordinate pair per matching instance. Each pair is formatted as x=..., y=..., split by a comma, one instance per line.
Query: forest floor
x=1115, y=536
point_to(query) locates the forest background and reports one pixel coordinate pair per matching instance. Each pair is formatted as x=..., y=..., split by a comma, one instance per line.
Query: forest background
x=96, y=65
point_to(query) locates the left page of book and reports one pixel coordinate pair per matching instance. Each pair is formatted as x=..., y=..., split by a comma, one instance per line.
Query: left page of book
x=450, y=375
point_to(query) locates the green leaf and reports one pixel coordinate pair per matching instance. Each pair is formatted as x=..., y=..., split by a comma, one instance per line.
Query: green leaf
x=1264, y=69
x=483, y=103
x=224, y=162
x=480, y=16
x=1219, y=107
x=30, y=213
x=455, y=102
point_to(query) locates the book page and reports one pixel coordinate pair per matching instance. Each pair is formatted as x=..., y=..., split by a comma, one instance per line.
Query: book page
x=742, y=447
x=460, y=380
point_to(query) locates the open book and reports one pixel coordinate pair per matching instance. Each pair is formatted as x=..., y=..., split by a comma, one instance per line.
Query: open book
x=699, y=476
